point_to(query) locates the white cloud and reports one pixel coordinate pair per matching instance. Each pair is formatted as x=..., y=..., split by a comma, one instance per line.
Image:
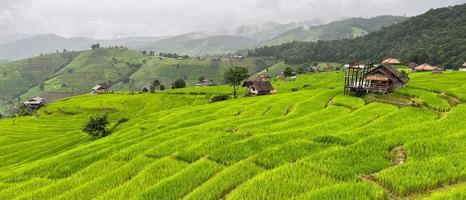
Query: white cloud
x=111, y=18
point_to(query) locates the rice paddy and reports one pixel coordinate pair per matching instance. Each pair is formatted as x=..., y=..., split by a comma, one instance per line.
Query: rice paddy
x=307, y=143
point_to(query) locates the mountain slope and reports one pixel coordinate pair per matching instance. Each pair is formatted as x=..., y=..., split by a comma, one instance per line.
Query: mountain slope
x=435, y=37
x=270, y=30
x=60, y=75
x=283, y=146
x=248, y=36
x=36, y=45
x=350, y=28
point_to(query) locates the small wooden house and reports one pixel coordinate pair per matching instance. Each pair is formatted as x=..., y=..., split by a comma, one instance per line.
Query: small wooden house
x=463, y=68
x=35, y=103
x=385, y=79
x=312, y=69
x=98, y=89
x=205, y=83
x=426, y=67
x=391, y=61
x=367, y=78
x=259, y=87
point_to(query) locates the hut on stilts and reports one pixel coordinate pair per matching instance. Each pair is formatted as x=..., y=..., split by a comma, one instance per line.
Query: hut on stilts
x=366, y=78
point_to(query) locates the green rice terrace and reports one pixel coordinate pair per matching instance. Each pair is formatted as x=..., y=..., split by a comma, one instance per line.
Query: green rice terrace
x=308, y=141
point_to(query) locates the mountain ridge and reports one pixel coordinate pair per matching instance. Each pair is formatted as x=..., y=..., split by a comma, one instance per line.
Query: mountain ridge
x=242, y=37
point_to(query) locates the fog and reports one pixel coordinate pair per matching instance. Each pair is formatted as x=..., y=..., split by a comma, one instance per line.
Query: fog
x=120, y=18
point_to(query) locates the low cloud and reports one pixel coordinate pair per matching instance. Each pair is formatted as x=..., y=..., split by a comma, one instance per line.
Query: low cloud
x=116, y=18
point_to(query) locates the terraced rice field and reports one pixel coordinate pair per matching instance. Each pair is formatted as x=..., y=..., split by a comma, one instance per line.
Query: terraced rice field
x=313, y=143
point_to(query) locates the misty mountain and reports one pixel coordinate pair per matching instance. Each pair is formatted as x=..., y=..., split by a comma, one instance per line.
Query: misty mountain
x=196, y=43
x=345, y=29
x=36, y=45
x=269, y=30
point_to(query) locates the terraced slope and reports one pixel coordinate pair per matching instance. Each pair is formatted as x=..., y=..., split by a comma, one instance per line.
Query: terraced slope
x=313, y=143
x=60, y=75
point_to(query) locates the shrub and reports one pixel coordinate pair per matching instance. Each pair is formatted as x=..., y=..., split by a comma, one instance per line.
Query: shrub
x=96, y=126
x=219, y=97
x=294, y=89
x=180, y=83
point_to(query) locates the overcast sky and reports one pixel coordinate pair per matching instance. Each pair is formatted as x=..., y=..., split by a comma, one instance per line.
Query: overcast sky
x=117, y=18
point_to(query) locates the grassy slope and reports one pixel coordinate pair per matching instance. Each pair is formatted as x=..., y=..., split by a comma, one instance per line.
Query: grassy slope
x=64, y=74
x=313, y=143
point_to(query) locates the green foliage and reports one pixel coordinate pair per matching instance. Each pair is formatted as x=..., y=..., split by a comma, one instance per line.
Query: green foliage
x=235, y=76
x=219, y=97
x=179, y=83
x=288, y=72
x=290, y=145
x=96, y=126
x=444, y=45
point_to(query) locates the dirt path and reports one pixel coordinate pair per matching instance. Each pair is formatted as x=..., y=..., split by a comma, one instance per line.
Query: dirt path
x=398, y=155
x=371, y=179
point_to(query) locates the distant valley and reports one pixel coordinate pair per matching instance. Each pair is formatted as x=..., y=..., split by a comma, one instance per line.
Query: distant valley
x=201, y=43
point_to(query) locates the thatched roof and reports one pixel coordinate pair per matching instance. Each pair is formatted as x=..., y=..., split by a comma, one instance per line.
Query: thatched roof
x=38, y=99
x=385, y=72
x=391, y=61
x=425, y=67
x=377, y=77
x=98, y=87
x=260, y=86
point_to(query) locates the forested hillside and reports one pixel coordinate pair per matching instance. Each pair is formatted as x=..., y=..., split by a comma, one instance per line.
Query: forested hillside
x=436, y=37
x=349, y=28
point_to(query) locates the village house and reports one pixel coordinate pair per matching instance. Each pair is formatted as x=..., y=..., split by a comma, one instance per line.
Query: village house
x=257, y=87
x=463, y=68
x=391, y=61
x=205, y=82
x=312, y=69
x=381, y=79
x=426, y=67
x=35, y=103
x=98, y=89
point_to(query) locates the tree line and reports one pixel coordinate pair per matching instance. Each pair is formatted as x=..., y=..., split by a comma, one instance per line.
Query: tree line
x=436, y=37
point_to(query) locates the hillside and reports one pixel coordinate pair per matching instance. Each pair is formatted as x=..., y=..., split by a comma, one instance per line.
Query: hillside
x=59, y=75
x=199, y=43
x=217, y=44
x=313, y=143
x=436, y=37
x=33, y=46
x=22, y=46
x=350, y=28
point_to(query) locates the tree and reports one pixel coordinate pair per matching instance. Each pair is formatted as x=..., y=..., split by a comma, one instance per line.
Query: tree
x=155, y=85
x=162, y=87
x=95, y=46
x=288, y=72
x=96, y=126
x=235, y=76
x=180, y=83
x=202, y=78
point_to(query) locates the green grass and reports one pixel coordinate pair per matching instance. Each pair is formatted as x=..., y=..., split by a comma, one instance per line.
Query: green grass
x=61, y=75
x=313, y=143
